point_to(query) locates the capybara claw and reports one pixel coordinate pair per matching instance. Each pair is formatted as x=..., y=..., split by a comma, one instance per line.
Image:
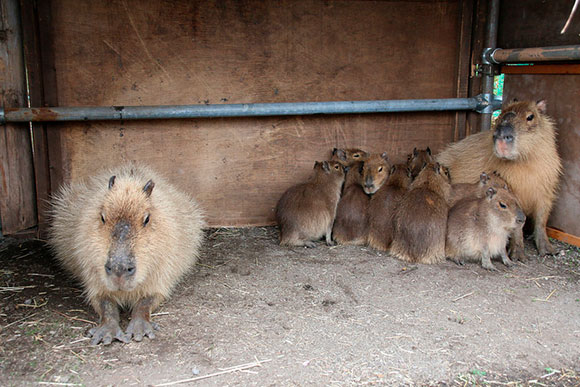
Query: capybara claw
x=106, y=333
x=139, y=328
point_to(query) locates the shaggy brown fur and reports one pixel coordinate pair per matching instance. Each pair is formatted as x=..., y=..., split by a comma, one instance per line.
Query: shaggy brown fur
x=349, y=156
x=417, y=159
x=351, y=222
x=382, y=207
x=305, y=212
x=128, y=241
x=478, y=228
x=420, y=220
x=375, y=172
x=522, y=149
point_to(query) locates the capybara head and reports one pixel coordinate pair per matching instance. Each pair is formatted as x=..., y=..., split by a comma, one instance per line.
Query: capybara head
x=400, y=176
x=417, y=159
x=126, y=218
x=504, y=209
x=349, y=156
x=375, y=171
x=330, y=169
x=518, y=129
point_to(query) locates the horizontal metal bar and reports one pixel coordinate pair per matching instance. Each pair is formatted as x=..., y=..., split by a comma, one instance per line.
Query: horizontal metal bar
x=534, y=54
x=98, y=113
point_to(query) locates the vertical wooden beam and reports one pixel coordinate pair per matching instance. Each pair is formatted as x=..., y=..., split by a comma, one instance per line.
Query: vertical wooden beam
x=17, y=191
x=478, y=36
x=463, y=64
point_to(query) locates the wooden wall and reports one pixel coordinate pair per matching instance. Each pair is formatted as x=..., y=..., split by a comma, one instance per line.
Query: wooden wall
x=123, y=52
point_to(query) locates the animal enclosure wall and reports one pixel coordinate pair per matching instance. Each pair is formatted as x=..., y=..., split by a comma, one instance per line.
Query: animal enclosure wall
x=125, y=52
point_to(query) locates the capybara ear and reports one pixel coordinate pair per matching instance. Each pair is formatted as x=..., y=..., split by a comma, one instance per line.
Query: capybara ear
x=415, y=152
x=326, y=166
x=392, y=170
x=542, y=106
x=490, y=192
x=483, y=178
x=112, y=181
x=316, y=164
x=334, y=151
x=341, y=154
x=428, y=151
x=148, y=187
x=384, y=156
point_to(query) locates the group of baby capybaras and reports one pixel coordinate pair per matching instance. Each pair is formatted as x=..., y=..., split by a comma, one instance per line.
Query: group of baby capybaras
x=464, y=204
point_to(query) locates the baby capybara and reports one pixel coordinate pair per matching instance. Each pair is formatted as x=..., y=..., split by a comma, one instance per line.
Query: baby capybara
x=375, y=172
x=478, y=228
x=420, y=219
x=351, y=221
x=305, y=212
x=417, y=159
x=522, y=149
x=128, y=236
x=460, y=191
x=382, y=207
x=349, y=156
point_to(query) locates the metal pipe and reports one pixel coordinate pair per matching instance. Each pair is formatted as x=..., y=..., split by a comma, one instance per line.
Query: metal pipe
x=534, y=54
x=98, y=113
x=487, y=79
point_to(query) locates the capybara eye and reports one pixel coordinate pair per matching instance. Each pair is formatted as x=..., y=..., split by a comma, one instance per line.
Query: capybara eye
x=356, y=155
x=530, y=117
x=502, y=205
x=103, y=218
x=146, y=220
x=380, y=169
x=336, y=167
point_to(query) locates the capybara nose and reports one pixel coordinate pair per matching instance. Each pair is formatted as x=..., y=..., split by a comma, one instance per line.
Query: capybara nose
x=108, y=268
x=505, y=133
x=520, y=217
x=120, y=270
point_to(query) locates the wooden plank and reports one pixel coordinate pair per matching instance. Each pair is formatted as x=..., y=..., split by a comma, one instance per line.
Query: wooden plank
x=564, y=68
x=182, y=52
x=473, y=123
x=18, y=203
x=563, y=97
x=463, y=64
x=31, y=45
x=562, y=236
x=535, y=23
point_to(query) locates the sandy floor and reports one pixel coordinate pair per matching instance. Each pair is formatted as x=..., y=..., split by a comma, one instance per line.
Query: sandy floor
x=323, y=316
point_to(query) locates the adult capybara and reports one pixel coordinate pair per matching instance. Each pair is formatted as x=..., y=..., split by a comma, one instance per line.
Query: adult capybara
x=306, y=211
x=351, y=221
x=417, y=159
x=478, y=228
x=128, y=236
x=349, y=156
x=420, y=219
x=522, y=149
x=460, y=191
x=382, y=206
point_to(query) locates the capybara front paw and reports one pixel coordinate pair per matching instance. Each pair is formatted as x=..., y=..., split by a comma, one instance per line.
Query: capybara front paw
x=105, y=333
x=310, y=244
x=517, y=254
x=545, y=247
x=139, y=328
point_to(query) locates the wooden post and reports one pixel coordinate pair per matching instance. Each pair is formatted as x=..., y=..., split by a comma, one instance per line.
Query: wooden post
x=17, y=190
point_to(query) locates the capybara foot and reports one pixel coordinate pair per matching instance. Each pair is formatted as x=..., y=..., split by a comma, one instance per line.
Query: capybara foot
x=331, y=243
x=309, y=244
x=505, y=260
x=544, y=246
x=105, y=333
x=486, y=264
x=139, y=328
x=458, y=261
x=517, y=253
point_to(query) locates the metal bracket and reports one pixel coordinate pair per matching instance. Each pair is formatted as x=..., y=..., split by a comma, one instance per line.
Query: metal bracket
x=487, y=103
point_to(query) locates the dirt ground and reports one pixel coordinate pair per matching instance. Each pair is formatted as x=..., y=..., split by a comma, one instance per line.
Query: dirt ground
x=323, y=316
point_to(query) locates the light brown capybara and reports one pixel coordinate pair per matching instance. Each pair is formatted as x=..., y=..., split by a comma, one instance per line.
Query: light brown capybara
x=417, y=159
x=478, y=228
x=305, y=212
x=420, y=219
x=351, y=221
x=128, y=236
x=522, y=149
x=382, y=207
x=349, y=156
x=375, y=172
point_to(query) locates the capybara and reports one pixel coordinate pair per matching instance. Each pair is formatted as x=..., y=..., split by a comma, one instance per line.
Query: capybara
x=306, y=211
x=420, y=219
x=375, y=172
x=382, y=206
x=349, y=156
x=417, y=159
x=478, y=228
x=460, y=191
x=128, y=236
x=351, y=221
x=522, y=149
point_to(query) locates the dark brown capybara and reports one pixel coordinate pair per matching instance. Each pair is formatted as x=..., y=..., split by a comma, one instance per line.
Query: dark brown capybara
x=417, y=159
x=349, y=156
x=305, y=212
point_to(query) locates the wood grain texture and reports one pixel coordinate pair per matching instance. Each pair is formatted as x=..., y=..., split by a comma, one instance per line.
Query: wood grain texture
x=183, y=52
x=18, y=203
x=562, y=93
